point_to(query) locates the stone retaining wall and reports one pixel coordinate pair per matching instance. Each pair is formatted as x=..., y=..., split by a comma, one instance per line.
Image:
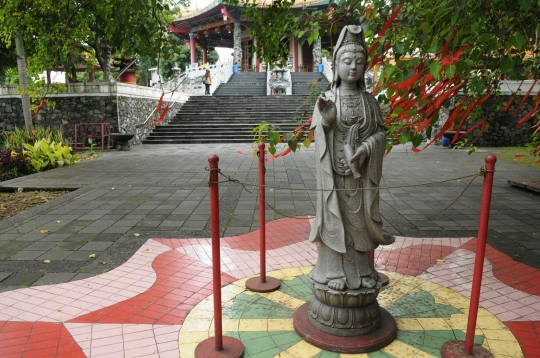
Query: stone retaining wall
x=501, y=130
x=122, y=112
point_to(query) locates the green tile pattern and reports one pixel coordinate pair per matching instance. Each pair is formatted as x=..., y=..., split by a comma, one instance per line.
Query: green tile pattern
x=255, y=306
x=299, y=287
x=420, y=305
x=432, y=341
x=269, y=344
x=380, y=354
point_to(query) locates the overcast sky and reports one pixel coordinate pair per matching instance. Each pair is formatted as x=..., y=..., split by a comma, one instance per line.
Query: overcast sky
x=224, y=53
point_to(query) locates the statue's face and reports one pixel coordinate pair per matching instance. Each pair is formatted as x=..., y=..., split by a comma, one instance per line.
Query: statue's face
x=351, y=66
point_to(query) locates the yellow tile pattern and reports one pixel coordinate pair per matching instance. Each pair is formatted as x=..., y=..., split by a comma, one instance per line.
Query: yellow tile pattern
x=498, y=338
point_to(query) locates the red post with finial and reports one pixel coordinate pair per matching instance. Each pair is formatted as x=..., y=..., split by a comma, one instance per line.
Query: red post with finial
x=262, y=283
x=217, y=346
x=480, y=250
x=456, y=349
x=262, y=212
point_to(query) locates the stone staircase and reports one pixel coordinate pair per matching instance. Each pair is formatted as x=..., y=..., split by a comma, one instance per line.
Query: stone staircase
x=228, y=119
x=243, y=84
x=302, y=81
x=233, y=111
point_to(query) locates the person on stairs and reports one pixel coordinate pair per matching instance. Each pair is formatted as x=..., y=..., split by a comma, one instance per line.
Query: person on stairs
x=207, y=83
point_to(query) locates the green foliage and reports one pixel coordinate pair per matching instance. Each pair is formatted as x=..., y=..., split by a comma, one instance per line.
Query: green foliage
x=43, y=155
x=534, y=145
x=471, y=148
x=57, y=33
x=90, y=151
x=491, y=40
x=17, y=137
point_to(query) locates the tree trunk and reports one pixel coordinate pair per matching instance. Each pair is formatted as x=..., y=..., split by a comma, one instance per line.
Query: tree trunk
x=103, y=55
x=23, y=80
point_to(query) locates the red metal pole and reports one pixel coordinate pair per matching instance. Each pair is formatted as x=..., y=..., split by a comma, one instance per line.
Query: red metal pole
x=216, y=263
x=480, y=251
x=262, y=216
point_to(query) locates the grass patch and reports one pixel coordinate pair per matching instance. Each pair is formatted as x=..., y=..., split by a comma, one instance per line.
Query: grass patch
x=519, y=155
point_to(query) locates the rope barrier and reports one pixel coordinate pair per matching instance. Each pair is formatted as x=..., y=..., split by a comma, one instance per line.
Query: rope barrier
x=481, y=172
x=244, y=184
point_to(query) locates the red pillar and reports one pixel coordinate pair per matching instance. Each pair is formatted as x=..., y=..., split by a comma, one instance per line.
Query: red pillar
x=295, y=54
x=204, y=55
x=91, y=76
x=192, y=47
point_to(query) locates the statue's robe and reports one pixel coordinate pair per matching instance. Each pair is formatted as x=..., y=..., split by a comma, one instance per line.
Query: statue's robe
x=348, y=224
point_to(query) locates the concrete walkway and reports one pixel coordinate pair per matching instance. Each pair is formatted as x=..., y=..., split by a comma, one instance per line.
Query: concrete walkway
x=124, y=198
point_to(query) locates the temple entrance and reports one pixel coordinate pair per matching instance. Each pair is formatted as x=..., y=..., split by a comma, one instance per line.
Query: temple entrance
x=307, y=58
x=246, y=56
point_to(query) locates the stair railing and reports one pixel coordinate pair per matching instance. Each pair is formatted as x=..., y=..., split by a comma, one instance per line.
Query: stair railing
x=220, y=72
x=149, y=120
x=327, y=71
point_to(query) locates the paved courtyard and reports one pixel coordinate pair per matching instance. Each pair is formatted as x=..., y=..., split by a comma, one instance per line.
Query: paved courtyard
x=129, y=270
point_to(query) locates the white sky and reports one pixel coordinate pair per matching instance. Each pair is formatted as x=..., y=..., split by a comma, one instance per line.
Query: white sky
x=224, y=53
x=199, y=3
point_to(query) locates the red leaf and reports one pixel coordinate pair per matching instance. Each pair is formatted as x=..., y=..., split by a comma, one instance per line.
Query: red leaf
x=513, y=96
x=524, y=99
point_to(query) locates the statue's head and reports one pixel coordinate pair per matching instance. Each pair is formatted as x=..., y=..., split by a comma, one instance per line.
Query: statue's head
x=350, y=48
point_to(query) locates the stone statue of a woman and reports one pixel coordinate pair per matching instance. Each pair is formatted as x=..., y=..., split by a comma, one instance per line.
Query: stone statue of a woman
x=350, y=143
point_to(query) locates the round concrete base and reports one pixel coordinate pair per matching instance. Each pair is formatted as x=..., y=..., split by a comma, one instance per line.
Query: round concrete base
x=254, y=284
x=232, y=348
x=370, y=342
x=384, y=279
x=456, y=349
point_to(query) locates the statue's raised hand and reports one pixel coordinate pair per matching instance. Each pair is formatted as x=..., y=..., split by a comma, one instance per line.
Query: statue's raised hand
x=328, y=110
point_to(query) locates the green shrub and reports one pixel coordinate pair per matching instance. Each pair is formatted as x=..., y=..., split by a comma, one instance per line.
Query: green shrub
x=17, y=137
x=43, y=155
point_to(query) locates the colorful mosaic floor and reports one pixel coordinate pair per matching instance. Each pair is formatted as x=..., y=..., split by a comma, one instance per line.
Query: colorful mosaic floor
x=159, y=303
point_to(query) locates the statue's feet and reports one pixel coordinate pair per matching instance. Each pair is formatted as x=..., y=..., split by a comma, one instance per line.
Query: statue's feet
x=337, y=284
x=368, y=282
x=389, y=238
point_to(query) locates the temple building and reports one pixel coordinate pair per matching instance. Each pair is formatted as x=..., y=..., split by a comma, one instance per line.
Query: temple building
x=222, y=25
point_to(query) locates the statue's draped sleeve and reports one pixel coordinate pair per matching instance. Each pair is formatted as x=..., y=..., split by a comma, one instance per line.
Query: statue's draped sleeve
x=328, y=226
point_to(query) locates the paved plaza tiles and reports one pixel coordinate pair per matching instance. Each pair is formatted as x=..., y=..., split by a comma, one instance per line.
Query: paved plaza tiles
x=147, y=289
x=160, y=304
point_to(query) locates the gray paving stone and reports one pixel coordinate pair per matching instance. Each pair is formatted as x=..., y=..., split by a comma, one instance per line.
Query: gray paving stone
x=4, y=275
x=82, y=276
x=23, y=279
x=69, y=245
x=96, y=246
x=54, y=278
x=26, y=255
x=81, y=237
x=55, y=255
x=82, y=255
x=42, y=246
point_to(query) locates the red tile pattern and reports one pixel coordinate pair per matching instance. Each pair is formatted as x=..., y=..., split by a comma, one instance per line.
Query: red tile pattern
x=37, y=339
x=181, y=283
x=279, y=233
x=411, y=260
x=528, y=336
x=513, y=273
